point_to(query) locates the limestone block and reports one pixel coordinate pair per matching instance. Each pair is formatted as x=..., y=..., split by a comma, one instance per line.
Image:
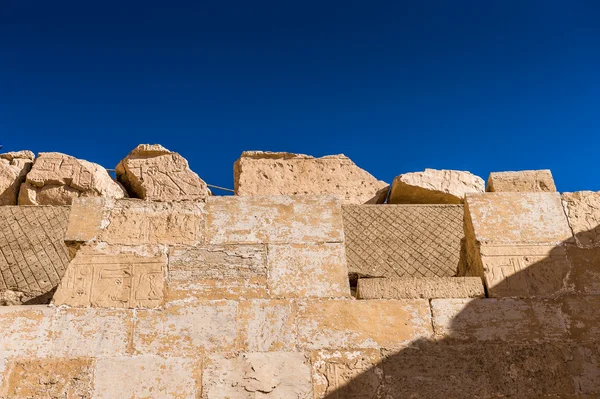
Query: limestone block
x=268, y=325
x=56, y=179
x=189, y=330
x=217, y=272
x=147, y=377
x=91, y=332
x=281, y=173
x=14, y=166
x=49, y=378
x=419, y=287
x=308, y=270
x=88, y=217
x=25, y=331
x=126, y=280
x=347, y=374
x=506, y=319
x=585, y=272
x=282, y=375
x=277, y=219
x=338, y=324
x=583, y=212
x=434, y=187
x=521, y=181
x=33, y=256
x=582, y=317
x=153, y=173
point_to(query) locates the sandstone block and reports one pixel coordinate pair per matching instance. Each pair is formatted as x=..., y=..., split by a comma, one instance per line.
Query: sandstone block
x=251, y=375
x=281, y=173
x=339, y=324
x=585, y=272
x=153, y=173
x=308, y=270
x=521, y=181
x=147, y=377
x=582, y=317
x=14, y=166
x=278, y=219
x=56, y=179
x=49, y=378
x=347, y=374
x=88, y=217
x=217, y=272
x=434, y=187
x=25, y=331
x=419, y=287
x=403, y=240
x=583, y=212
x=268, y=325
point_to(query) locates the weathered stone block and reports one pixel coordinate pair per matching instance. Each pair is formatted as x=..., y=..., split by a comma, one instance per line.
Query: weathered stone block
x=403, y=240
x=147, y=377
x=88, y=217
x=350, y=374
x=338, y=324
x=510, y=320
x=521, y=181
x=14, y=166
x=583, y=212
x=268, y=325
x=277, y=219
x=25, y=331
x=308, y=270
x=49, y=378
x=281, y=173
x=420, y=287
x=585, y=272
x=434, y=187
x=251, y=375
x=217, y=272
x=582, y=317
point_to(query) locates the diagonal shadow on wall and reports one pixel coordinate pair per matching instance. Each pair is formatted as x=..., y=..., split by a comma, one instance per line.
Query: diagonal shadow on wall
x=543, y=347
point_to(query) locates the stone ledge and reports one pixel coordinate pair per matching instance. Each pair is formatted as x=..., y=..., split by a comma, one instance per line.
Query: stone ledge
x=414, y=287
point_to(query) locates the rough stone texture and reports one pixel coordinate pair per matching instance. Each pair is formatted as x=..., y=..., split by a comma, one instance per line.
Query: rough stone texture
x=403, y=240
x=49, y=378
x=284, y=375
x=153, y=173
x=33, y=256
x=420, y=287
x=585, y=270
x=362, y=324
x=25, y=331
x=308, y=270
x=147, y=377
x=521, y=181
x=14, y=166
x=354, y=374
x=583, y=212
x=268, y=325
x=582, y=316
x=282, y=173
x=56, y=179
x=274, y=220
x=434, y=187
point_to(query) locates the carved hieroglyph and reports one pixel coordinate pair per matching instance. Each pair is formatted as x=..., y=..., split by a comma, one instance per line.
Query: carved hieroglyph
x=56, y=179
x=14, y=166
x=283, y=173
x=153, y=173
x=403, y=240
x=33, y=256
x=119, y=281
x=522, y=181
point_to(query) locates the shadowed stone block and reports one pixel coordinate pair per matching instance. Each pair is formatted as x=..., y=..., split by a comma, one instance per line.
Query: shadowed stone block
x=585, y=273
x=420, y=287
x=521, y=181
x=583, y=211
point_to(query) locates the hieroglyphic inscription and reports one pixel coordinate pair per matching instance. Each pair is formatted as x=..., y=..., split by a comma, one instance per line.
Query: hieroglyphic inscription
x=61, y=169
x=120, y=281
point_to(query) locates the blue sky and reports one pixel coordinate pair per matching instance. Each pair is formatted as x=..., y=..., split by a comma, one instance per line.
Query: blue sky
x=397, y=86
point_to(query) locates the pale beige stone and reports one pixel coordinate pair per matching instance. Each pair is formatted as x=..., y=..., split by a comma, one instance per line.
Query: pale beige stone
x=281, y=173
x=153, y=173
x=56, y=179
x=276, y=219
x=147, y=377
x=87, y=219
x=268, y=325
x=25, y=331
x=420, y=287
x=347, y=374
x=362, y=324
x=583, y=213
x=308, y=270
x=521, y=181
x=14, y=166
x=434, y=187
x=281, y=375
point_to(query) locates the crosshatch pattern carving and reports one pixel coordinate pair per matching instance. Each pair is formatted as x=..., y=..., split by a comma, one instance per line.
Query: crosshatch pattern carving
x=403, y=240
x=33, y=256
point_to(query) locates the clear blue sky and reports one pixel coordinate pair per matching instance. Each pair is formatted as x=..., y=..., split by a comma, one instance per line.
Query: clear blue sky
x=398, y=86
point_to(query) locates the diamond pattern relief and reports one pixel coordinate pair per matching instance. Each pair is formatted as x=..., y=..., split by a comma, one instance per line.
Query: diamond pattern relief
x=33, y=256
x=403, y=240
